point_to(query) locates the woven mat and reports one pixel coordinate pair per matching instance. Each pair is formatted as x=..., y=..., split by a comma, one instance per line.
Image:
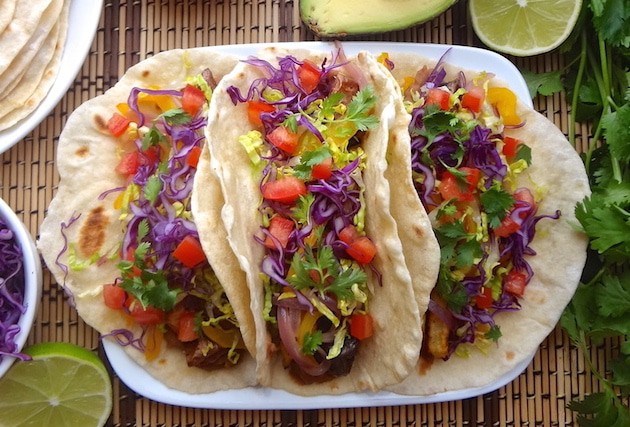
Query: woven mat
x=133, y=30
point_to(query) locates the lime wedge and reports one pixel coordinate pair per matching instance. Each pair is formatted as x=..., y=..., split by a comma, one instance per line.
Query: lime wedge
x=64, y=385
x=524, y=27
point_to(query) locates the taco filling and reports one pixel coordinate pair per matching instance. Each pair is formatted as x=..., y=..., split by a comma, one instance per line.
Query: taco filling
x=307, y=122
x=465, y=170
x=166, y=285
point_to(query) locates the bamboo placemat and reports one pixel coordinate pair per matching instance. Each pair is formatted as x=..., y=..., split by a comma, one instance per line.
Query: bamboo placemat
x=130, y=31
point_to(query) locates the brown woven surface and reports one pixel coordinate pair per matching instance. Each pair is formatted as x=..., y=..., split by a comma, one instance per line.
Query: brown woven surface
x=131, y=31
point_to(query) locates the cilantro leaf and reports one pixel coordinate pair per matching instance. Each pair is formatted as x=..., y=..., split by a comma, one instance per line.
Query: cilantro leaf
x=152, y=188
x=617, y=132
x=302, y=210
x=329, y=277
x=612, y=20
x=152, y=137
x=467, y=253
x=329, y=103
x=310, y=159
x=312, y=340
x=151, y=289
x=360, y=107
x=496, y=203
x=291, y=122
x=451, y=291
x=494, y=333
x=606, y=225
x=613, y=298
x=176, y=116
x=342, y=284
x=524, y=152
x=543, y=83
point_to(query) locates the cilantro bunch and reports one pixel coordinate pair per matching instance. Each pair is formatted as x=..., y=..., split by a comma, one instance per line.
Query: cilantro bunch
x=597, y=81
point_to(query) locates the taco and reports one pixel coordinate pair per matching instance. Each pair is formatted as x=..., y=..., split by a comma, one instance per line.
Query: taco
x=500, y=183
x=296, y=138
x=120, y=238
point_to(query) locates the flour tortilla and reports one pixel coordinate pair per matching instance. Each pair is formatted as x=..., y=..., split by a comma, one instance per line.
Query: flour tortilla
x=388, y=356
x=27, y=16
x=561, y=253
x=7, y=9
x=38, y=77
x=42, y=41
x=86, y=160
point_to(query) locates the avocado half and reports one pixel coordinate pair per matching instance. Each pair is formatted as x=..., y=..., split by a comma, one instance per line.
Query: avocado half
x=344, y=17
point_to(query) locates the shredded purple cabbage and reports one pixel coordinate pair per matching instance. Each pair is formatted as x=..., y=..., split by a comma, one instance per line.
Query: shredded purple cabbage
x=12, y=304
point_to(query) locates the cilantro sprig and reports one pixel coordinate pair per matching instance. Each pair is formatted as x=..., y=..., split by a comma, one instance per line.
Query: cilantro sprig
x=320, y=270
x=597, y=81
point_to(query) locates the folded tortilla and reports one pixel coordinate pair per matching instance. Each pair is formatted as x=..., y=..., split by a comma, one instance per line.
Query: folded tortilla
x=560, y=247
x=82, y=213
x=389, y=355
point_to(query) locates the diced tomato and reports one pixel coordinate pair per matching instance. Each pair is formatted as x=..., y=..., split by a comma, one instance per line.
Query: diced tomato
x=284, y=190
x=515, y=283
x=484, y=299
x=114, y=296
x=284, y=139
x=510, y=146
x=361, y=326
x=189, y=252
x=144, y=316
x=128, y=165
x=150, y=156
x=348, y=234
x=363, y=250
x=117, y=124
x=308, y=75
x=450, y=189
x=438, y=97
x=280, y=228
x=187, y=330
x=508, y=227
x=473, y=99
x=322, y=170
x=255, y=108
x=360, y=248
x=193, y=157
x=473, y=175
x=193, y=99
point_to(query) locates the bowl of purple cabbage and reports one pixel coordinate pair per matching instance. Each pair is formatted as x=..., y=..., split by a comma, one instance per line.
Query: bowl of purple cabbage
x=20, y=286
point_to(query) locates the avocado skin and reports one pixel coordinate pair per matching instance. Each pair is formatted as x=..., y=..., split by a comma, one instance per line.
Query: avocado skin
x=340, y=18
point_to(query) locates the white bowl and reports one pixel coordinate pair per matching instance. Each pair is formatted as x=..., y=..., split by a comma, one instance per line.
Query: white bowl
x=32, y=276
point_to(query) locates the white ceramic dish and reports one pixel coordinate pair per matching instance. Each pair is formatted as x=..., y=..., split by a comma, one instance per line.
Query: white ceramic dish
x=32, y=279
x=82, y=24
x=141, y=382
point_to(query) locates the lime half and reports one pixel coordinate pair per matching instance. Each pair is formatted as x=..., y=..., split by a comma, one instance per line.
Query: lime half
x=64, y=385
x=524, y=27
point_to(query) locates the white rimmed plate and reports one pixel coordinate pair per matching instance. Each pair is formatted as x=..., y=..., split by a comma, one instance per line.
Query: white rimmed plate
x=82, y=24
x=136, y=378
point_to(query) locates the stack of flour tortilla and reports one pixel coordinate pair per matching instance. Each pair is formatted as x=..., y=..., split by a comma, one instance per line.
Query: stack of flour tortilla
x=32, y=37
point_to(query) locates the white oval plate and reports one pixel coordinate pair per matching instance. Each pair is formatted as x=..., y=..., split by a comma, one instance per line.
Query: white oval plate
x=82, y=25
x=140, y=381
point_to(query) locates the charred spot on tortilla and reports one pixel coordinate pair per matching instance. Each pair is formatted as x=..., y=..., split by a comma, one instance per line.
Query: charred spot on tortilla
x=509, y=355
x=146, y=73
x=100, y=123
x=92, y=234
x=418, y=231
x=82, y=151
